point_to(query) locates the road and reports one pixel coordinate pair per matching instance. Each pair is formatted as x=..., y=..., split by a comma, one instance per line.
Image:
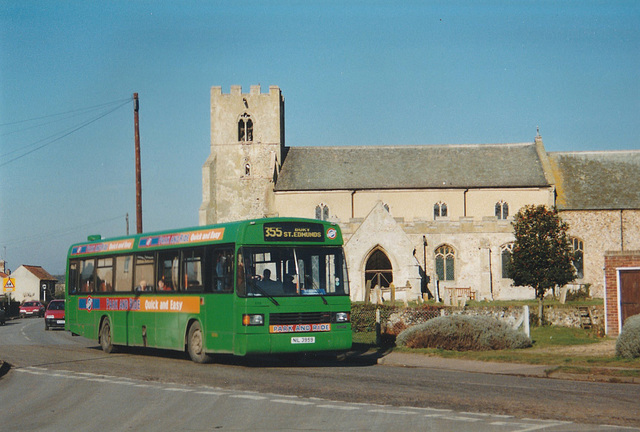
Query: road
x=60, y=382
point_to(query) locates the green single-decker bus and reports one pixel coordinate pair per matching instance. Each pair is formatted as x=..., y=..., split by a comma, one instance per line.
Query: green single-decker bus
x=264, y=286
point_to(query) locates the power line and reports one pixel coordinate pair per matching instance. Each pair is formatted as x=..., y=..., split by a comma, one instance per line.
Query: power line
x=64, y=134
x=91, y=108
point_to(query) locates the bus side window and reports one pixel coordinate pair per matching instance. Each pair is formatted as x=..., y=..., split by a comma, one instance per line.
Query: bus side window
x=73, y=277
x=222, y=270
x=124, y=273
x=168, y=268
x=192, y=265
x=87, y=275
x=144, y=272
x=104, y=274
x=228, y=275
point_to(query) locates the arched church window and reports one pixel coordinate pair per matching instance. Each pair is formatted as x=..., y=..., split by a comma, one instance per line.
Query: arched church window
x=378, y=269
x=249, y=130
x=506, y=251
x=245, y=128
x=445, y=263
x=322, y=212
x=439, y=210
x=578, y=256
x=502, y=210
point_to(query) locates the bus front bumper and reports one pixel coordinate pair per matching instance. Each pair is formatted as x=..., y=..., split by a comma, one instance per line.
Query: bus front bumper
x=282, y=343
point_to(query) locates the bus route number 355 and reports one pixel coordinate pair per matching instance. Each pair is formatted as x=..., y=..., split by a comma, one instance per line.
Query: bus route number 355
x=273, y=232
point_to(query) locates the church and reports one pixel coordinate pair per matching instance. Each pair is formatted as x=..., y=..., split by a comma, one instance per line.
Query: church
x=428, y=218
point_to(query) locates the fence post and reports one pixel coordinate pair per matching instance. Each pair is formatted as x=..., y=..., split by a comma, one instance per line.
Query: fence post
x=527, y=331
x=378, y=328
x=367, y=292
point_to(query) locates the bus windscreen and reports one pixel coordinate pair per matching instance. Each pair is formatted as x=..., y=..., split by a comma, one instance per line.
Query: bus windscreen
x=291, y=271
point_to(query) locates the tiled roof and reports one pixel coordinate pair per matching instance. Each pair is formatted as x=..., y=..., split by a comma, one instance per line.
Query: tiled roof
x=597, y=180
x=411, y=167
x=39, y=272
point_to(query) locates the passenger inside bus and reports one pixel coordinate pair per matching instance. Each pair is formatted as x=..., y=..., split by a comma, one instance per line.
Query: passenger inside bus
x=143, y=286
x=289, y=284
x=220, y=271
x=270, y=286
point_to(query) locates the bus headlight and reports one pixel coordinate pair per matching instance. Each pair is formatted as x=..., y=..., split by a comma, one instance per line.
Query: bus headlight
x=341, y=317
x=252, y=319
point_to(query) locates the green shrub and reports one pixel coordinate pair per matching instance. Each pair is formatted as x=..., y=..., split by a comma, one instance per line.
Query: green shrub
x=628, y=343
x=582, y=293
x=463, y=333
x=363, y=316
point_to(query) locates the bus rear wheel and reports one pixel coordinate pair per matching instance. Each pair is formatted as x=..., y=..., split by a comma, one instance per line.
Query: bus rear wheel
x=105, y=337
x=195, y=344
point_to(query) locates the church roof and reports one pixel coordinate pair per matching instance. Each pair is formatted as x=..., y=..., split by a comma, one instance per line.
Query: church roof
x=600, y=180
x=411, y=167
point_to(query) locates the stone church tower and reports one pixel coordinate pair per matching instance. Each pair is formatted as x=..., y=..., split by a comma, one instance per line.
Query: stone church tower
x=247, y=144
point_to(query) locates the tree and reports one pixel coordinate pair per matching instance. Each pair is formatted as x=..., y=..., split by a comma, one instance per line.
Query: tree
x=542, y=256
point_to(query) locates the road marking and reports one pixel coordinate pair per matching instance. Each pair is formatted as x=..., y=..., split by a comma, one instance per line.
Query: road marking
x=519, y=425
x=339, y=407
x=461, y=418
x=391, y=411
x=248, y=396
x=175, y=389
x=292, y=402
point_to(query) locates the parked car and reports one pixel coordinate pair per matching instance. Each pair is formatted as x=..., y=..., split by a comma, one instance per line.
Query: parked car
x=54, y=315
x=31, y=308
x=2, y=317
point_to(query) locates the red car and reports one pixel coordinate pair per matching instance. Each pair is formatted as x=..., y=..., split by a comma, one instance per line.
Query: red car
x=31, y=308
x=54, y=315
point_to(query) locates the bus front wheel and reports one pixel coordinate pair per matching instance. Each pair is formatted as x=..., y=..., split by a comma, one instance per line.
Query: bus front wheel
x=195, y=344
x=105, y=336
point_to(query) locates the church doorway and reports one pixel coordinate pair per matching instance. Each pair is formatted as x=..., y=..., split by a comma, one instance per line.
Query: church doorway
x=378, y=269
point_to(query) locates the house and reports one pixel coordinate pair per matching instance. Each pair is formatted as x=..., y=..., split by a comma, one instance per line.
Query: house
x=33, y=283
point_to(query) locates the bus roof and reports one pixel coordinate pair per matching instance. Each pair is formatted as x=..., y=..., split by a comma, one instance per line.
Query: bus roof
x=254, y=231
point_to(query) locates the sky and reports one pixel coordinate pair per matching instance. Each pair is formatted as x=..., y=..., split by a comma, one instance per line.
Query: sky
x=352, y=73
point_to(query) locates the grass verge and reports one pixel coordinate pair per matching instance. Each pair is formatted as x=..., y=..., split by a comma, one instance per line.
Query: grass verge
x=567, y=350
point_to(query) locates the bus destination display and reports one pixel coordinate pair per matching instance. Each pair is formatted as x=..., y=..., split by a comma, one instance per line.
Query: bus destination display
x=292, y=232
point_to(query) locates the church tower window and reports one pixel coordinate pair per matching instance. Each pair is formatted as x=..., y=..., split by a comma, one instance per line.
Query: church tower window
x=439, y=210
x=322, y=212
x=245, y=128
x=502, y=210
x=445, y=263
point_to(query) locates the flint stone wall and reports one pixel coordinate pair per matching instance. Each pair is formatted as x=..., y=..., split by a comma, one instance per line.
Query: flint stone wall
x=556, y=316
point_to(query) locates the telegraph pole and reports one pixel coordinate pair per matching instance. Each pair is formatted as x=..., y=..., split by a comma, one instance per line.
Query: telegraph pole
x=138, y=170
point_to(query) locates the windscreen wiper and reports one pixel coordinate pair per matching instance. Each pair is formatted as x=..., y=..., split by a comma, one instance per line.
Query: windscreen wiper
x=264, y=293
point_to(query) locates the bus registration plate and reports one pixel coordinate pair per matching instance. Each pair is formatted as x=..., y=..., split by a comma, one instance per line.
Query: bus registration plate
x=303, y=340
